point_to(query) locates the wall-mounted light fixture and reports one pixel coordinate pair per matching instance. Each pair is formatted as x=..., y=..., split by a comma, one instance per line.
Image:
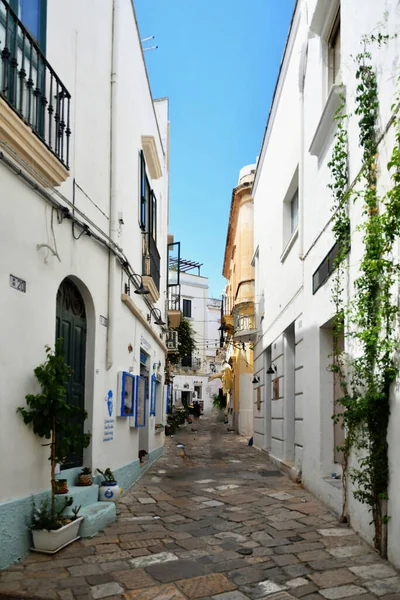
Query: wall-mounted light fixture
x=272, y=369
x=158, y=317
x=256, y=379
x=137, y=281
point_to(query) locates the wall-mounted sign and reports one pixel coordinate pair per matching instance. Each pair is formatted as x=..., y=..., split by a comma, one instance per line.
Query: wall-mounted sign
x=144, y=343
x=103, y=321
x=18, y=284
x=108, y=430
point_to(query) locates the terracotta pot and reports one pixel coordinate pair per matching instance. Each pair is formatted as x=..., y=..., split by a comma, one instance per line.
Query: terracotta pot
x=61, y=486
x=84, y=479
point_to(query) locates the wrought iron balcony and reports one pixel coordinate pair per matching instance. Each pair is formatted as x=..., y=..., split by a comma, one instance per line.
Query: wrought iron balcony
x=174, y=308
x=174, y=297
x=31, y=87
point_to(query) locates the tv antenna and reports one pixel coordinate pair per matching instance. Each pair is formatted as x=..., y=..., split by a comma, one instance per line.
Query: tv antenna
x=151, y=37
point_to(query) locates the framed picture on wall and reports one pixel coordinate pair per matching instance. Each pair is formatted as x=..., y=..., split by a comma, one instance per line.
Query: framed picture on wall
x=126, y=389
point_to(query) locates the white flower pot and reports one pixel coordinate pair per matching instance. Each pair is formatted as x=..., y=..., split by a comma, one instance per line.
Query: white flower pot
x=109, y=492
x=55, y=539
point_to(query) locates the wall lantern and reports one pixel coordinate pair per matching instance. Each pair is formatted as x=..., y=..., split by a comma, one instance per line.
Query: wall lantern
x=272, y=369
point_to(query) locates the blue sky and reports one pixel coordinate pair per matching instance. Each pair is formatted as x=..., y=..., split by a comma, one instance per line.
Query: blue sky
x=217, y=61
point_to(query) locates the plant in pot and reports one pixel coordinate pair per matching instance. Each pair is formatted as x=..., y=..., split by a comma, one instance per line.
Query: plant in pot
x=85, y=477
x=51, y=532
x=54, y=419
x=109, y=490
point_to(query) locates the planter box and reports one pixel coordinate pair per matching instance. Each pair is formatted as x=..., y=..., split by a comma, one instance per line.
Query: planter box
x=54, y=540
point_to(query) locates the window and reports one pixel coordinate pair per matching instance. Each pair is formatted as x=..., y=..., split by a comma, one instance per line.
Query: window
x=33, y=14
x=334, y=52
x=187, y=308
x=148, y=202
x=290, y=214
x=325, y=269
x=294, y=212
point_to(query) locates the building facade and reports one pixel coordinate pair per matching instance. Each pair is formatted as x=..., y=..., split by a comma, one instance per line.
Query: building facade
x=294, y=244
x=190, y=375
x=84, y=159
x=239, y=303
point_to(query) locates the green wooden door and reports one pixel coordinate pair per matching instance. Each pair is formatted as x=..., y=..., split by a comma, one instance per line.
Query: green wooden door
x=71, y=326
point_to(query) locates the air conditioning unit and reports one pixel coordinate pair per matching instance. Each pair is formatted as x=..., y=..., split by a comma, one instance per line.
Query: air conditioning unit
x=172, y=340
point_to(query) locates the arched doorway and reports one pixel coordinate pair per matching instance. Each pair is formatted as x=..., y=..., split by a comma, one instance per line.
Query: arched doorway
x=71, y=326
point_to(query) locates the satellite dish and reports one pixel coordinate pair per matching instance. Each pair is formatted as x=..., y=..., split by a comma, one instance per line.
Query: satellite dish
x=208, y=389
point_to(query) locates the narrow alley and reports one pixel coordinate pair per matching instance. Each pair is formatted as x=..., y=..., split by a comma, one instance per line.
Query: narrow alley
x=213, y=520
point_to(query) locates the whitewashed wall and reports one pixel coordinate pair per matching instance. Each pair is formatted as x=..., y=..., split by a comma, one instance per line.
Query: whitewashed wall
x=285, y=279
x=79, y=49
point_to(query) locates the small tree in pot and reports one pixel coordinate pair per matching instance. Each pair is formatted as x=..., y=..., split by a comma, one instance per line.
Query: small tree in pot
x=54, y=419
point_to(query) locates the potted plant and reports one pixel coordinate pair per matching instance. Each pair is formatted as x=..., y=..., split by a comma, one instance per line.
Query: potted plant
x=109, y=490
x=61, y=486
x=85, y=477
x=53, y=418
x=51, y=532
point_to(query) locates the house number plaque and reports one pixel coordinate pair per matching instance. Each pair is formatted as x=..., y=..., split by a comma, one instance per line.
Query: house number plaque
x=18, y=284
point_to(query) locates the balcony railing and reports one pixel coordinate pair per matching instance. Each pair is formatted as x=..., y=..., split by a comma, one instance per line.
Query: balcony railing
x=245, y=322
x=31, y=87
x=174, y=297
x=151, y=260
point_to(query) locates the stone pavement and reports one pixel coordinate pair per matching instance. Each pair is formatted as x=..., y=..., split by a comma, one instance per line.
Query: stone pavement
x=218, y=523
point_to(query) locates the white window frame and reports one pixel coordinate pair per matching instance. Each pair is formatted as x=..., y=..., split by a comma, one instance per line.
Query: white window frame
x=289, y=234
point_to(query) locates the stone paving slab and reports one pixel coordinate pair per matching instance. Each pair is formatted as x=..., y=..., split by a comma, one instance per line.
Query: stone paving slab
x=221, y=524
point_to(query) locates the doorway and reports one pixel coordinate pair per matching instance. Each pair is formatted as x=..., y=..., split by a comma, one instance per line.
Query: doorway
x=71, y=326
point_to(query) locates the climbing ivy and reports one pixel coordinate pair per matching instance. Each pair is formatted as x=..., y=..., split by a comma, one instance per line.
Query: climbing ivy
x=369, y=317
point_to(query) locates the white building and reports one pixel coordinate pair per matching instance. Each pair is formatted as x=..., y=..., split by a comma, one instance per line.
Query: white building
x=204, y=314
x=294, y=243
x=84, y=213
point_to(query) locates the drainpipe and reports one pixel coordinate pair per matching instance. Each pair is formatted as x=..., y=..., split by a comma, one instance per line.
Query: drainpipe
x=112, y=267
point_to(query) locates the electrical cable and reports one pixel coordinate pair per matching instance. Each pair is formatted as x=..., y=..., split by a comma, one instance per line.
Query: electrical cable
x=107, y=242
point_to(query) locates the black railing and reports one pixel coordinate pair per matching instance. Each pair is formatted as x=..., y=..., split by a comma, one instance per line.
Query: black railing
x=31, y=87
x=151, y=260
x=174, y=297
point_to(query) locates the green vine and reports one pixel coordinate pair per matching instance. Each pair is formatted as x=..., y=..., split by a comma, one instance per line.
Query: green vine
x=369, y=319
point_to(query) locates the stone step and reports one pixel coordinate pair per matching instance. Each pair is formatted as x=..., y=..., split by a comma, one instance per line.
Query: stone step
x=82, y=495
x=97, y=517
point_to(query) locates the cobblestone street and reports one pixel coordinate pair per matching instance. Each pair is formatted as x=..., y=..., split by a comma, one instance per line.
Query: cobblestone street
x=219, y=522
